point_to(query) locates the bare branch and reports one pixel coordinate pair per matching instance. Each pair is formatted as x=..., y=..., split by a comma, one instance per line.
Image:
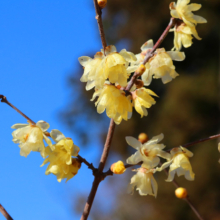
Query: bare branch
x=199, y=141
x=100, y=24
x=5, y=213
x=4, y=99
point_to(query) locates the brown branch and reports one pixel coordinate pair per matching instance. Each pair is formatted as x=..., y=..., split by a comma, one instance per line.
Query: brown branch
x=199, y=141
x=186, y=199
x=151, y=52
x=99, y=175
x=4, y=99
x=5, y=213
x=100, y=24
x=90, y=165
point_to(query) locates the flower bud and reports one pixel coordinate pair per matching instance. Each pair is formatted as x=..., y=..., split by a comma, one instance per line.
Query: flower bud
x=139, y=83
x=143, y=138
x=181, y=193
x=140, y=70
x=102, y=3
x=118, y=167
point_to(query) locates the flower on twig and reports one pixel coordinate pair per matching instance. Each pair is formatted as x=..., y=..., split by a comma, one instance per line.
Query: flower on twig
x=148, y=153
x=60, y=158
x=113, y=100
x=30, y=137
x=112, y=66
x=183, y=35
x=183, y=10
x=142, y=100
x=180, y=164
x=144, y=182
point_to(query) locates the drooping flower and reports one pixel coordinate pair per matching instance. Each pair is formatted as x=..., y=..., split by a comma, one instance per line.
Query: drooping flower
x=183, y=36
x=112, y=66
x=180, y=164
x=148, y=152
x=113, y=100
x=142, y=100
x=144, y=182
x=183, y=10
x=118, y=167
x=60, y=158
x=161, y=66
x=30, y=137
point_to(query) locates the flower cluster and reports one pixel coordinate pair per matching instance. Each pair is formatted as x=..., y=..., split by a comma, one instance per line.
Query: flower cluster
x=149, y=155
x=60, y=155
x=186, y=26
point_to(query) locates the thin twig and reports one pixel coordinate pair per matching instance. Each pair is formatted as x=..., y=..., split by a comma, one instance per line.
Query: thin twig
x=100, y=24
x=99, y=175
x=199, y=141
x=90, y=165
x=4, y=99
x=186, y=199
x=5, y=213
x=150, y=53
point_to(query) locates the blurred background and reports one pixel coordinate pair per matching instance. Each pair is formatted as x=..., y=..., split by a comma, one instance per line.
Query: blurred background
x=40, y=44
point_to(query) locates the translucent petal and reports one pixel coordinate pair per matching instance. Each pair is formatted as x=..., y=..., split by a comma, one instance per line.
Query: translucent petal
x=133, y=142
x=135, y=158
x=194, y=7
x=43, y=125
x=16, y=126
x=147, y=45
x=84, y=60
x=56, y=135
x=176, y=55
x=199, y=19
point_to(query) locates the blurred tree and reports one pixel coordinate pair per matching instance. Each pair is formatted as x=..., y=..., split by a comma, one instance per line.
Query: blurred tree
x=187, y=110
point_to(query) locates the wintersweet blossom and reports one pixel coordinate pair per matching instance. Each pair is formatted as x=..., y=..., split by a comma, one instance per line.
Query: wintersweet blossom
x=183, y=36
x=183, y=10
x=109, y=65
x=30, y=137
x=144, y=182
x=148, y=153
x=180, y=164
x=113, y=100
x=142, y=100
x=161, y=66
x=60, y=158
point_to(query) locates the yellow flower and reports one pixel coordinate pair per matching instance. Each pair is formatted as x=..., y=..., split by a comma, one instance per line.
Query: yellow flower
x=30, y=137
x=183, y=36
x=148, y=153
x=142, y=100
x=112, y=66
x=180, y=164
x=144, y=182
x=161, y=66
x=183, y=11
x=113, y=100
x=118, y=167
x=60, y=158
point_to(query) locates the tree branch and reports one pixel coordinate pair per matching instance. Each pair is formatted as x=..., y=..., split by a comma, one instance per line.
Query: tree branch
x=100, y=24
x=5, y=213
x=199, y=141
x=99, y=175
x=4, y=99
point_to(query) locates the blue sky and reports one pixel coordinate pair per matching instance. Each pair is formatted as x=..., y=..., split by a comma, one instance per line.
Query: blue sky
x=40, y=42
